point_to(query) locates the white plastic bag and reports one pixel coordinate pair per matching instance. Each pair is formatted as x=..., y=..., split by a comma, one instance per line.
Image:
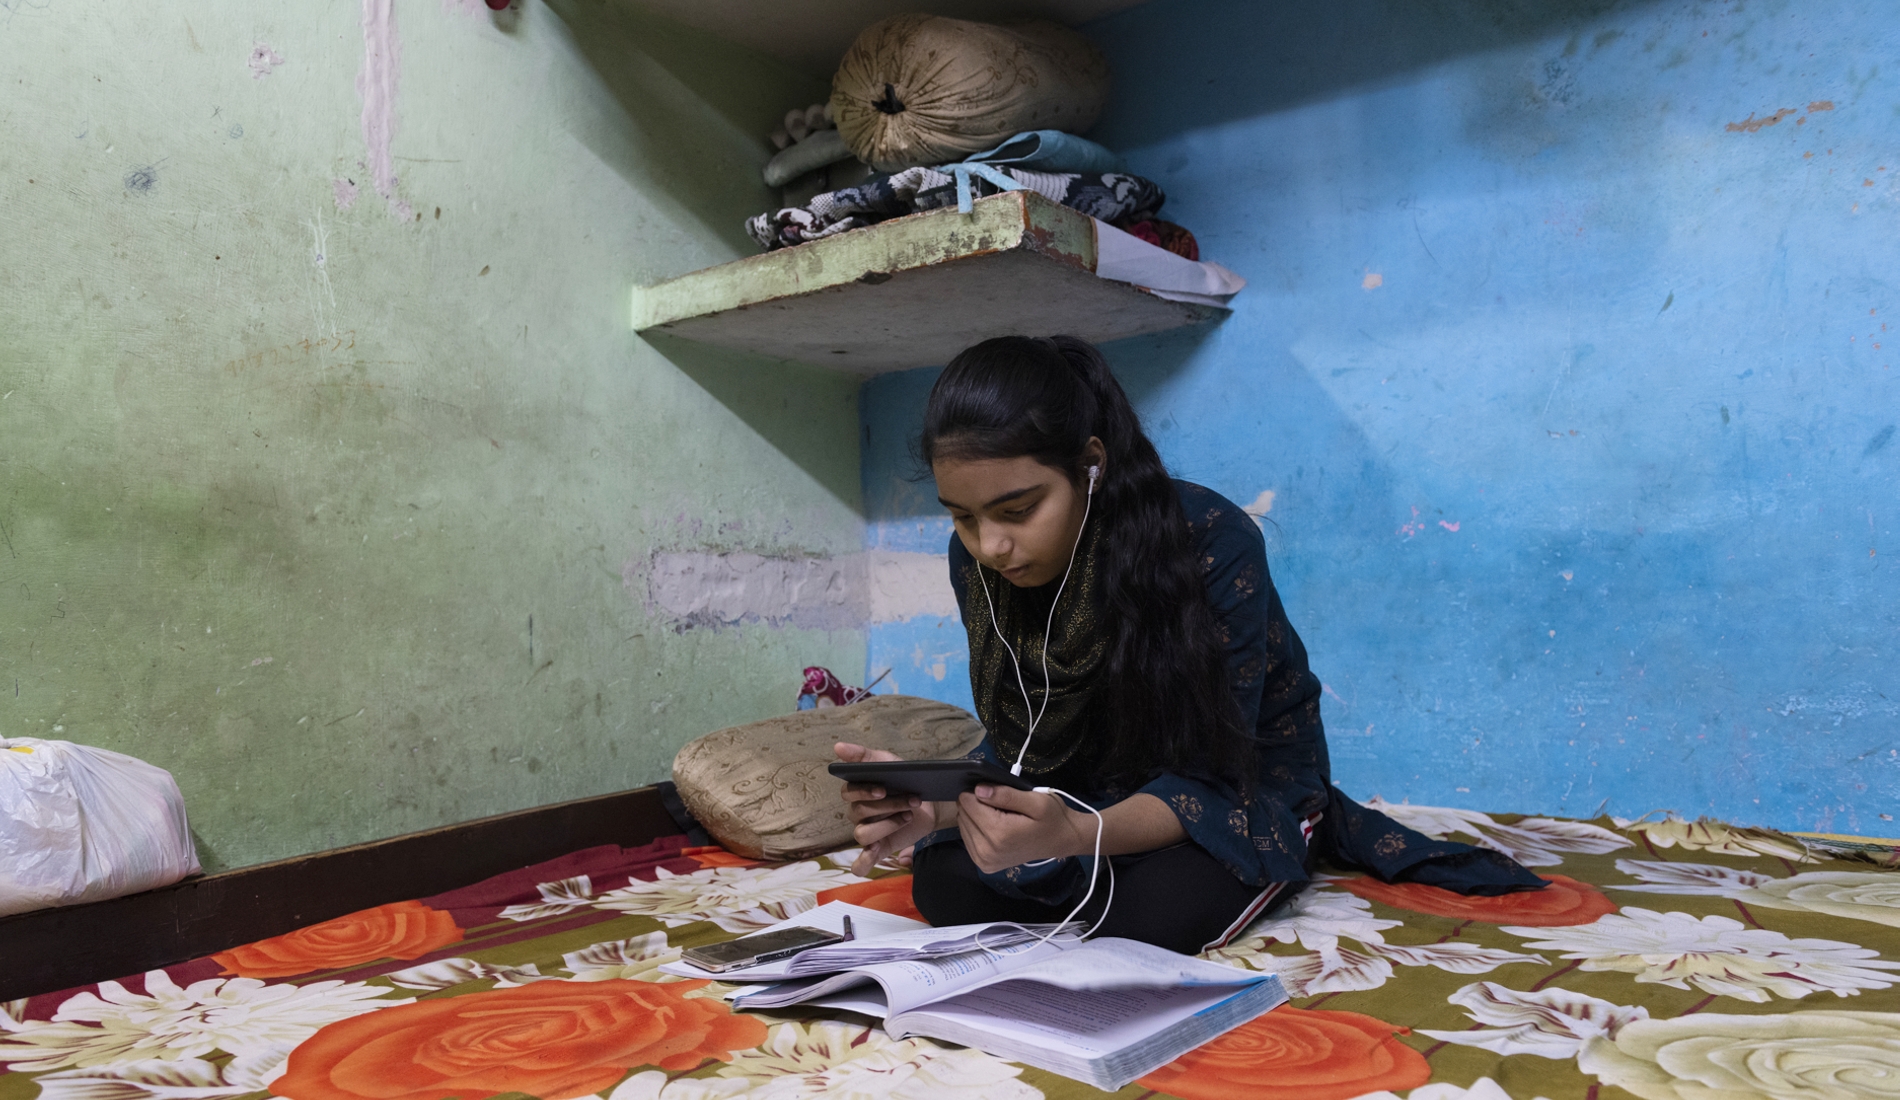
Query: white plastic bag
x=80, y=824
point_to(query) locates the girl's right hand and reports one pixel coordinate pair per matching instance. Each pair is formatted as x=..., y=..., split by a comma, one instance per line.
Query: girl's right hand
x=881, y=823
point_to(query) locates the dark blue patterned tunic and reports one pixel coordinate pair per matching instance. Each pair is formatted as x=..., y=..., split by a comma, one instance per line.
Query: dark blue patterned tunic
x=1258, y=839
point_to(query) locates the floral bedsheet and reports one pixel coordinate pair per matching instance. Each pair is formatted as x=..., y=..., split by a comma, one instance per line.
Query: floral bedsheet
x=1668, y=960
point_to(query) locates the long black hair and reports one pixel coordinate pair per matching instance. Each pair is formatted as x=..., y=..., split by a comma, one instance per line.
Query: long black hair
x=1168, y=705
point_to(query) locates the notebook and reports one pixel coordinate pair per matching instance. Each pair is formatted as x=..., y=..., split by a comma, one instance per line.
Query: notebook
x=1103, y=1011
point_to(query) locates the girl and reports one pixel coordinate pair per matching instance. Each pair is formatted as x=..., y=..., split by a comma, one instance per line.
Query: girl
x=1126, y=646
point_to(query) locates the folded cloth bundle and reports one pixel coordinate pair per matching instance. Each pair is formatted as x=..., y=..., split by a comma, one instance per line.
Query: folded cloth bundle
x=1051, y=151
x=1111, y=197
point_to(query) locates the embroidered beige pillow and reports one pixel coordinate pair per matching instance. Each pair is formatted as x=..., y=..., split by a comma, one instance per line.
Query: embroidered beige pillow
x=762, y=790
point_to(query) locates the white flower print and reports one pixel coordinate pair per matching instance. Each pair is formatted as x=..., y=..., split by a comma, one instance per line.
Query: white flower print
x=256, y=1023
x=1715, y=955
x=1534, y=841
x=153, y=1079
x=840, y=1061
x=1857, y=895
x=737, y=899
x=446, y=973
x=1333, y=969
x=653, y=1085
x=1434, y=821
x=1482, y=1089
x=845, y=857
x=1550, y=1023
x=1317, y=919
x=164, y=1079
x=1708, y=835
x=1453, y=955
x=832, y=1059
x=557, y=899
x=637, y=959
x=1854, y=894
x=1695, y=879
x=1816, y=1055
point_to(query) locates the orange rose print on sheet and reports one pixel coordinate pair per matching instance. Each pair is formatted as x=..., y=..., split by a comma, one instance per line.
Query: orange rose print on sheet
x=553, y=1040
x=890, y=894
x=399, y=930
x=1564, y=902
x=1296, y=1054
x=715, y=856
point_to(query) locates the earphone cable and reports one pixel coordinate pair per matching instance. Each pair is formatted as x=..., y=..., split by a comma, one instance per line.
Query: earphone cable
x=1095, y=870
x=1031, y=714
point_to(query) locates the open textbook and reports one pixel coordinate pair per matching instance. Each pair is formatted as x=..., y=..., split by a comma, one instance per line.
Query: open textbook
x=1104, y=1011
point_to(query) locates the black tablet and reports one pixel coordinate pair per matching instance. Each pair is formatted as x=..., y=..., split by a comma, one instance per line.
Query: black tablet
x=930, y=780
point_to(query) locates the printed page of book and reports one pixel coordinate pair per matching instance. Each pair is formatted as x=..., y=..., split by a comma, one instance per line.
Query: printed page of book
x=906, y=984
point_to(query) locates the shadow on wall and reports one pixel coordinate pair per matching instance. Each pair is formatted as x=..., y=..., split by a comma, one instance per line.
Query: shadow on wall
x=791, y=405
x=1250, y=59
x=693, y=113
x=1144, y=365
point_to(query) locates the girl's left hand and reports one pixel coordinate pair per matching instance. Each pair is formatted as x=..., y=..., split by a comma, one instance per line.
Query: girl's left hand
x=1003, y=827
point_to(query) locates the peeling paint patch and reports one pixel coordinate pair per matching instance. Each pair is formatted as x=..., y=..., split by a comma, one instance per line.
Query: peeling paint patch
x=345, y=191
x=1859, y=700
x=1821, y=105
x=263, y=60
x=1261, y=505
x=1372, y=281
x=728, y=589
x=906, y=586
x=1752, y=125
x=382, y=64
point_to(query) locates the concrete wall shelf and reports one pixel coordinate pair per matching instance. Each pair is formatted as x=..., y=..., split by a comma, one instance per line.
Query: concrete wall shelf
x=913, y=291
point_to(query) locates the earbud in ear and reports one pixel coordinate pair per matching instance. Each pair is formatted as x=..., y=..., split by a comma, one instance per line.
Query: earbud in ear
x=1094, y=472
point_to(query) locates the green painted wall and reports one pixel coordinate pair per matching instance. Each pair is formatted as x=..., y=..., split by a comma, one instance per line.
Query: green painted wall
x=283, y=484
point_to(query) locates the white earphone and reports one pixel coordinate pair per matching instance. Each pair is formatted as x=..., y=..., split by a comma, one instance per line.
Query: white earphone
x=1035, y=717
x=1029, y=708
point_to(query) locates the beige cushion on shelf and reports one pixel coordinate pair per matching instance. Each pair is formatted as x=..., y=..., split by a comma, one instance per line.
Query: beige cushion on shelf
x=926, y=89
x=762, y=790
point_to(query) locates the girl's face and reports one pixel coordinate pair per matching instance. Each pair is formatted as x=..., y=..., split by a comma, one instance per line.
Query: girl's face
x=1016, y=515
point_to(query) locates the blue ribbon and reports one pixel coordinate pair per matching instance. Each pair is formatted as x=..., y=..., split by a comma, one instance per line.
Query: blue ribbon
x=964, y=171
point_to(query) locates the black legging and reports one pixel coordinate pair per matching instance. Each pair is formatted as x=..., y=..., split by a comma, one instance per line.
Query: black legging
x=1179, y=898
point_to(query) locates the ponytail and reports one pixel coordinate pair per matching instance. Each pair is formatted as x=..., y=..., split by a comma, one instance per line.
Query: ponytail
x=1167, y=702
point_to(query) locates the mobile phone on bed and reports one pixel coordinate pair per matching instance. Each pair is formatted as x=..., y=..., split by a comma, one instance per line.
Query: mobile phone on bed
x=930, y=780
x=763, y=947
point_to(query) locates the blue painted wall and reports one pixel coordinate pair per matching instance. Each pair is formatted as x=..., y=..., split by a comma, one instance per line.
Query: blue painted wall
x=1566, y=357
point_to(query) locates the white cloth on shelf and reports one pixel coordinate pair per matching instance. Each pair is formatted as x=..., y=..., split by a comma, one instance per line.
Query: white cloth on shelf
x=1127, y=258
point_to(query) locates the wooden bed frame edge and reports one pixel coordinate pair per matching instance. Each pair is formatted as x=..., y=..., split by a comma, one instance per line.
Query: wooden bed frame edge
x=52, y=949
